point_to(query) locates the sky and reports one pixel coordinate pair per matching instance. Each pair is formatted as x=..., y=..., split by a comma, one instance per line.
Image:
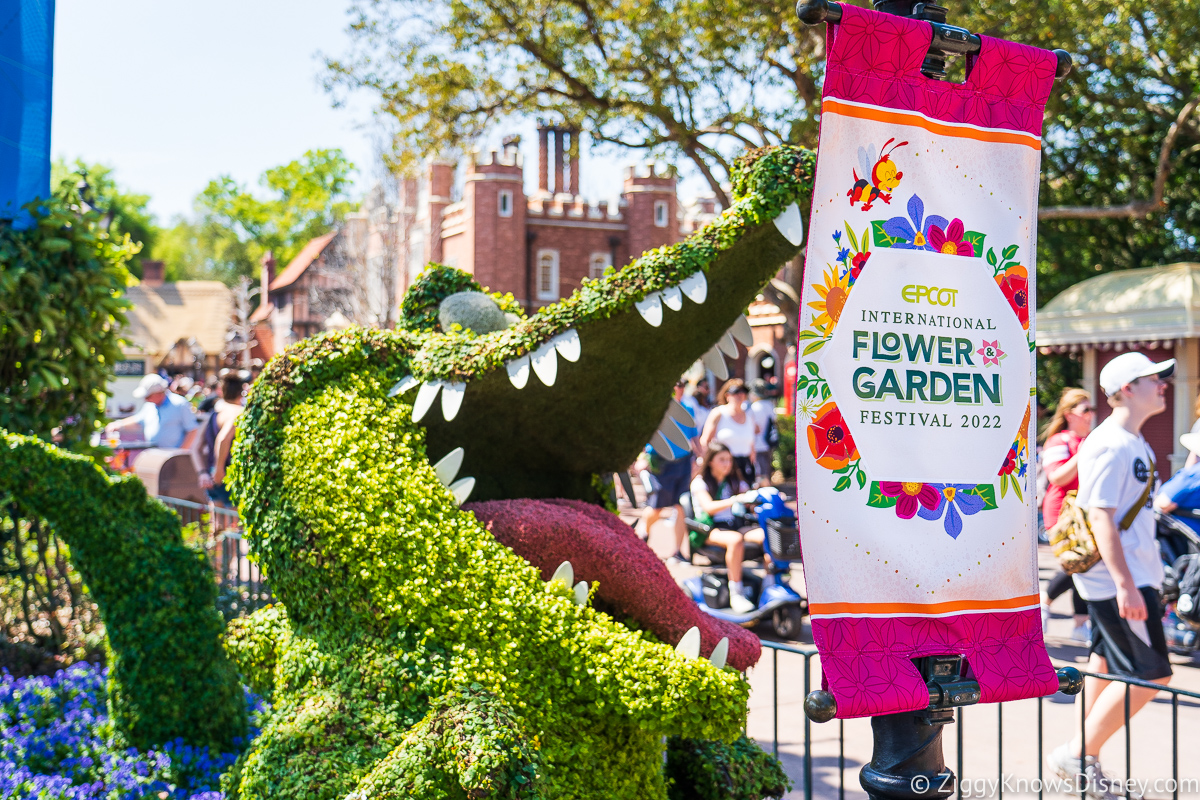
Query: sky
x=173, y=94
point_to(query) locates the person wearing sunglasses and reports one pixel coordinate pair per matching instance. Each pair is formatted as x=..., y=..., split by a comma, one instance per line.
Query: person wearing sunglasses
x=1070, y=425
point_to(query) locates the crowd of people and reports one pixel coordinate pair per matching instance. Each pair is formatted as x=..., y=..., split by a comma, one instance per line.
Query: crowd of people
x=180, y=414
x=729, y=456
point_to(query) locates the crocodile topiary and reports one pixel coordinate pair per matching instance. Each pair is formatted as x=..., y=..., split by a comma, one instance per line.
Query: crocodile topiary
x=403, y=611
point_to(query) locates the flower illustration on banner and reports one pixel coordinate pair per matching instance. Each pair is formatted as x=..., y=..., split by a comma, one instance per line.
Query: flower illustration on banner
x=955, y=500
x=1014, y=283
x=913, y=235
x=833, y=292
x=991, y=353
x=909, y=496
x=1012, y=471
x=950, y=240
x=853, y=258
x=829, y=439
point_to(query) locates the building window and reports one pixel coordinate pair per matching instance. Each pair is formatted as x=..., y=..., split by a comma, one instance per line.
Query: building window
x=660, y=213
x=597, y=264
x=547, y=275
x=506, y=202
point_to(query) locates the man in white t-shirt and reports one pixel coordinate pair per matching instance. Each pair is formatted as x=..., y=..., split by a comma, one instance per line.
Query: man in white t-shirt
x=1116, y=485
x=762, y=411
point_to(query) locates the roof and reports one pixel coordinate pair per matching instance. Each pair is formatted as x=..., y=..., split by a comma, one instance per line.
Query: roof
x=262, y=312
x=162, y=315
x=1134, y=305
x=296, y=267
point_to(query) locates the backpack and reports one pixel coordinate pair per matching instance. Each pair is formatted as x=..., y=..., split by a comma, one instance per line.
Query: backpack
x=772, y=434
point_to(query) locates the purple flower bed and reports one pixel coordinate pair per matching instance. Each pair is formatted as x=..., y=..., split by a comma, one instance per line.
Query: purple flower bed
x=56, y=743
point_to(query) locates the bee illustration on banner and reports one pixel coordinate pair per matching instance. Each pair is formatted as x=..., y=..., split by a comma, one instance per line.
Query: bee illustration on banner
x=880, y=176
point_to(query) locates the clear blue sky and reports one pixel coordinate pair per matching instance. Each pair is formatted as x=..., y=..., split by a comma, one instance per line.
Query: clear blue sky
x=173, y=94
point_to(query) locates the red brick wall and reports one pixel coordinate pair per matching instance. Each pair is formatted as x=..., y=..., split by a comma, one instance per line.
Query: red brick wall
x=575, y=247
x=499, y=247
x=639, y=196
x=1159, y=430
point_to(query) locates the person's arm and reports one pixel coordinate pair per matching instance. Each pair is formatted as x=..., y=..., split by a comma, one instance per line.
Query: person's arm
x=222, y=446
x=1165, y=504
x=704, y=501
x=710, y=429
x=1066, y=472
x=197, y=456
x=1191, y=459
x=1130, y=602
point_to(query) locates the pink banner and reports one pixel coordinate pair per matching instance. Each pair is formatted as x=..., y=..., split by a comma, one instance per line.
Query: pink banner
x=916, y=368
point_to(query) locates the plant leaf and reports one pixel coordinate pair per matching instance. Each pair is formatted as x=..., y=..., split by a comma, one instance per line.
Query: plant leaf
x=843, y=484
x=853, y=238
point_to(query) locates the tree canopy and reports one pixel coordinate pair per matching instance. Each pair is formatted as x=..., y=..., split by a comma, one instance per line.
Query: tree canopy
x=127, y=211
x=698, y=80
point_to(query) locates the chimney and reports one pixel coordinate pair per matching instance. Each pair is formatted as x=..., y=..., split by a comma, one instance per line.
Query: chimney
x=559, y=159
x=268, y=275
x=543, y=158
x=574, y=152
x=152, y=273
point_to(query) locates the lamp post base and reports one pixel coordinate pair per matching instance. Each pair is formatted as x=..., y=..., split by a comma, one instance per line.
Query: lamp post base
x=907, y=762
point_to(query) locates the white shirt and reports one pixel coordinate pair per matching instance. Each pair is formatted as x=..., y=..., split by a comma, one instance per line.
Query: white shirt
x=761, y=411
x=739, y=438
x=1114, y=466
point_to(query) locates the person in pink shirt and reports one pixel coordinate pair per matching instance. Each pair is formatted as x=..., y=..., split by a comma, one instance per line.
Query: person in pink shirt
x=1070, y=425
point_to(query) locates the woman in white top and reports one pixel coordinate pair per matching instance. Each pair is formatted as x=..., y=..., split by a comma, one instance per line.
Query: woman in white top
x=730, y=425
x=714, y=491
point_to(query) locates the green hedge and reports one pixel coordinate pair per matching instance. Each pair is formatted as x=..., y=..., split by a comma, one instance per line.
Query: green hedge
x=168, y=676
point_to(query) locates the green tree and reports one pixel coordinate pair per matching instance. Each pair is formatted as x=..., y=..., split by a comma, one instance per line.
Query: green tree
x=127, y=212
x=235, y=227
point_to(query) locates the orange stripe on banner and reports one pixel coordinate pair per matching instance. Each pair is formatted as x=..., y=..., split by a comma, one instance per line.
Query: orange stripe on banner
x=922, y=608
x=830, y=104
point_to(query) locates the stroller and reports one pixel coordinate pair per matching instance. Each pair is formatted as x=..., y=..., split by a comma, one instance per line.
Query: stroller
x=1180, y=549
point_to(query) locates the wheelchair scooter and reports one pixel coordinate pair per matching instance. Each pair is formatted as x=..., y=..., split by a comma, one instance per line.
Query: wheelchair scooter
x=772, y=595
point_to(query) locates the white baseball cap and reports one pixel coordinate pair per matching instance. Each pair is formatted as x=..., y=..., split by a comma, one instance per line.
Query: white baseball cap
x=150, y=384
x=1128, y=367
x=1191, y=441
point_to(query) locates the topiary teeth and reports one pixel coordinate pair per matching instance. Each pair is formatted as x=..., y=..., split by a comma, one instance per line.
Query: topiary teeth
x=581, y=593
x=448, y=466
x=672, y=434
x=564, y=573
x=673, y=298
x=518, y=371
x=567, y=345
x=695, y=286
x=790, y=224
x=650, y=307
x=680, y=414
x=403, y=385
x=689, y=645
x=452, y=397
x=716, y=362
x=741, y=330
x=545, y=363
x=660, y=445
x=461, y=489
x=727, y=345
x=425, y=397
x=720, y=653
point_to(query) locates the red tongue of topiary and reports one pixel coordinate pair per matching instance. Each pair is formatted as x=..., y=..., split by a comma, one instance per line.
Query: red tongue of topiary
x=603, y=549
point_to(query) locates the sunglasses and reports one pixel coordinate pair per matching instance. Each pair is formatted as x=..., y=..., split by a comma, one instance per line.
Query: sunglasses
x=1084, y=409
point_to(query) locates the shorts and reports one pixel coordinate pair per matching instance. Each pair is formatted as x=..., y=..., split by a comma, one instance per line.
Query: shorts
x=1127, y=654
x=746, y=465
x=219, y=494
x=762, y=464
x=673, y=481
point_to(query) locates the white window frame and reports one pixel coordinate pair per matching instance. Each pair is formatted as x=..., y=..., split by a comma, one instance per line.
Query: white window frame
x=505, y=198
x=597, y=263
x=550, y=256
x=661, y=210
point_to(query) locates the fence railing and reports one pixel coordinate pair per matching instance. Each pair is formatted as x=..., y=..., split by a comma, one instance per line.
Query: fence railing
x=240, y=585
x=971, y=745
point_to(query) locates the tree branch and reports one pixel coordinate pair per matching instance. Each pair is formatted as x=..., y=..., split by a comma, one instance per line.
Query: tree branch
x=1138, y=208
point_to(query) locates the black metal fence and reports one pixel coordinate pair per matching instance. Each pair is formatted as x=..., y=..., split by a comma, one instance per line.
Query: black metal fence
x=968, y=742
x=240, y=585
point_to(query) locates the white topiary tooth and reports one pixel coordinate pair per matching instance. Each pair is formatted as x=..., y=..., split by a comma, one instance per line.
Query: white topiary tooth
x=403, y=385
x=452, y=397
x=741, y=330
x=660, y=445
x=790, y=225
x=720, y=653
x=567, y=344
x=650, y=307
x=449, y=465
x=545, y=363
x=564, y=573
x=581, y=593
x=672, y=434
x=689, y=645
x=425, y=397
x=673, y=298
x=695, y=286
x=461, y=490
x=716, y=362
x=518, y=371
x=680, y=414
x=727, y=345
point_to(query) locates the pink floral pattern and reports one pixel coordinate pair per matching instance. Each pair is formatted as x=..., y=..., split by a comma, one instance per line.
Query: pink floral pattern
x=876, y=58
x=866, y=661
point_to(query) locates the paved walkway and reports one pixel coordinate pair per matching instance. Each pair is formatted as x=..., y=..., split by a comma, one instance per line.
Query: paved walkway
x=1022, y=751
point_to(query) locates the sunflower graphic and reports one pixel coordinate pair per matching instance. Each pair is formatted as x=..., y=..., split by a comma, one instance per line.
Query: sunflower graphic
x=834, y=293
